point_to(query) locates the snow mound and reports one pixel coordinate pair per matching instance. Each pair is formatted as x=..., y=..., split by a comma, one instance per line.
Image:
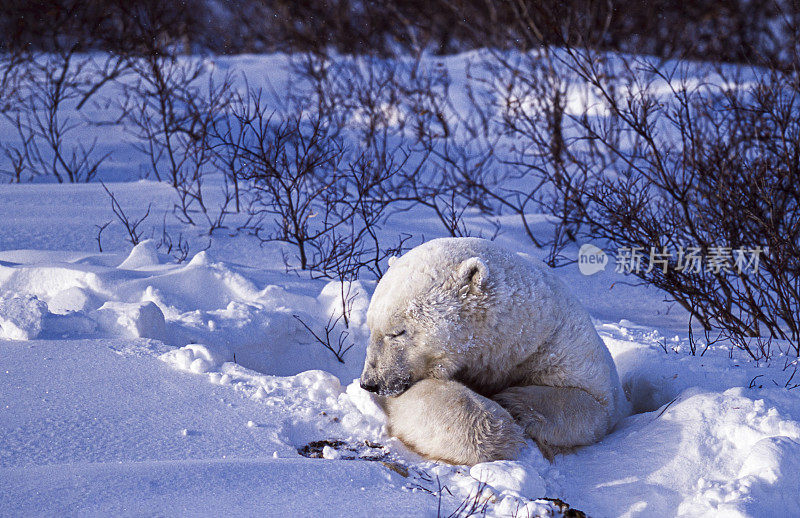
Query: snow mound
x=328, y=410
x=509, y=477
x=365, y=403
x=46, y=280
x=703, y=454
x=773, y=458
x=320, y=386
x=74, y=299
x=197, y=358
x=200, y=259
x=338, y=297
x=768, y=475
x=131, y=319
x=270, y=327
x=21, y=317
x=143, y=255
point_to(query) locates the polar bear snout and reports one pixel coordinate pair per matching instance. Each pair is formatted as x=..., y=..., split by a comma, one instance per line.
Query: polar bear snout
x=388, y=387
x=387, y=370
x=370, y=386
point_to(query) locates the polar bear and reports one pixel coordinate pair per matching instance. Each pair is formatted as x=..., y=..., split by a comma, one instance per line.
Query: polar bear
x=474, y=348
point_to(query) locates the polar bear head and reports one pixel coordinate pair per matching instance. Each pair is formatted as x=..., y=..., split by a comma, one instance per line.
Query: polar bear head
x=423, y=315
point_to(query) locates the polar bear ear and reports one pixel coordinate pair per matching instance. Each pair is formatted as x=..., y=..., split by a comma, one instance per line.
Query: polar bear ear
x=392, y=259
x=472, y=275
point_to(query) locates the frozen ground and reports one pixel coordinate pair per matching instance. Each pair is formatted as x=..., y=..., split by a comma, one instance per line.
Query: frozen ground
x=132, y=385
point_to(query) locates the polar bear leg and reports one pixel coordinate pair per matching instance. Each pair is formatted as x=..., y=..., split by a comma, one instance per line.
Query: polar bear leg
x=444, y=420
x=558, y=418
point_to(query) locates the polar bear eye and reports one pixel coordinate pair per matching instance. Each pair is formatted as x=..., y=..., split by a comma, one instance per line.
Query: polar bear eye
x=395, y=335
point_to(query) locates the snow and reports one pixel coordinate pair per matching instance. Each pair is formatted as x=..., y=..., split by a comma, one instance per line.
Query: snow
x=509, y=477
x=134, y=319
x=196, y=358
x=135, y=385
x=142, y=256
x=271, y=487
x=684, y=461
x=21, y=316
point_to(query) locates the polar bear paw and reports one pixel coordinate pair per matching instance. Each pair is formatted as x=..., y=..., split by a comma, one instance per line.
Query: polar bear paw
x=446, y=421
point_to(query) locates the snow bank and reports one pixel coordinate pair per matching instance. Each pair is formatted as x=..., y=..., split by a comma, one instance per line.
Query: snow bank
x=268, y=327
x=508, y=477
x=74, y=299
x=350, y=298
x=131, y=319
x=708, y=450
x=768, y=474
x=197, y=358
x=142, y=256
x=701, y=443
x=21, y=316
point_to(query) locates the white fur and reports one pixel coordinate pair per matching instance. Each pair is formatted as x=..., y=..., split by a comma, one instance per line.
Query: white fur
x=476, y=321
x=444, y=420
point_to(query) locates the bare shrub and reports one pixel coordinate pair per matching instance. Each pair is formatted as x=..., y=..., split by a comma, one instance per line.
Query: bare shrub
x=304, y=187
x=450, y=164
x=130, y=224
x=336, y=343
x=99, y=236
x=14, y=65
x=532, y=93
x=177, y=248
x=49, y=95
x=117, y=26
x=503, y=153
x=367, y=187
x=172, y=109
x=41, y=95
x=725, y=186
x=732, y=31
x=402, y=110
x=17, y=159
x=511, y=152
x=294, y=176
